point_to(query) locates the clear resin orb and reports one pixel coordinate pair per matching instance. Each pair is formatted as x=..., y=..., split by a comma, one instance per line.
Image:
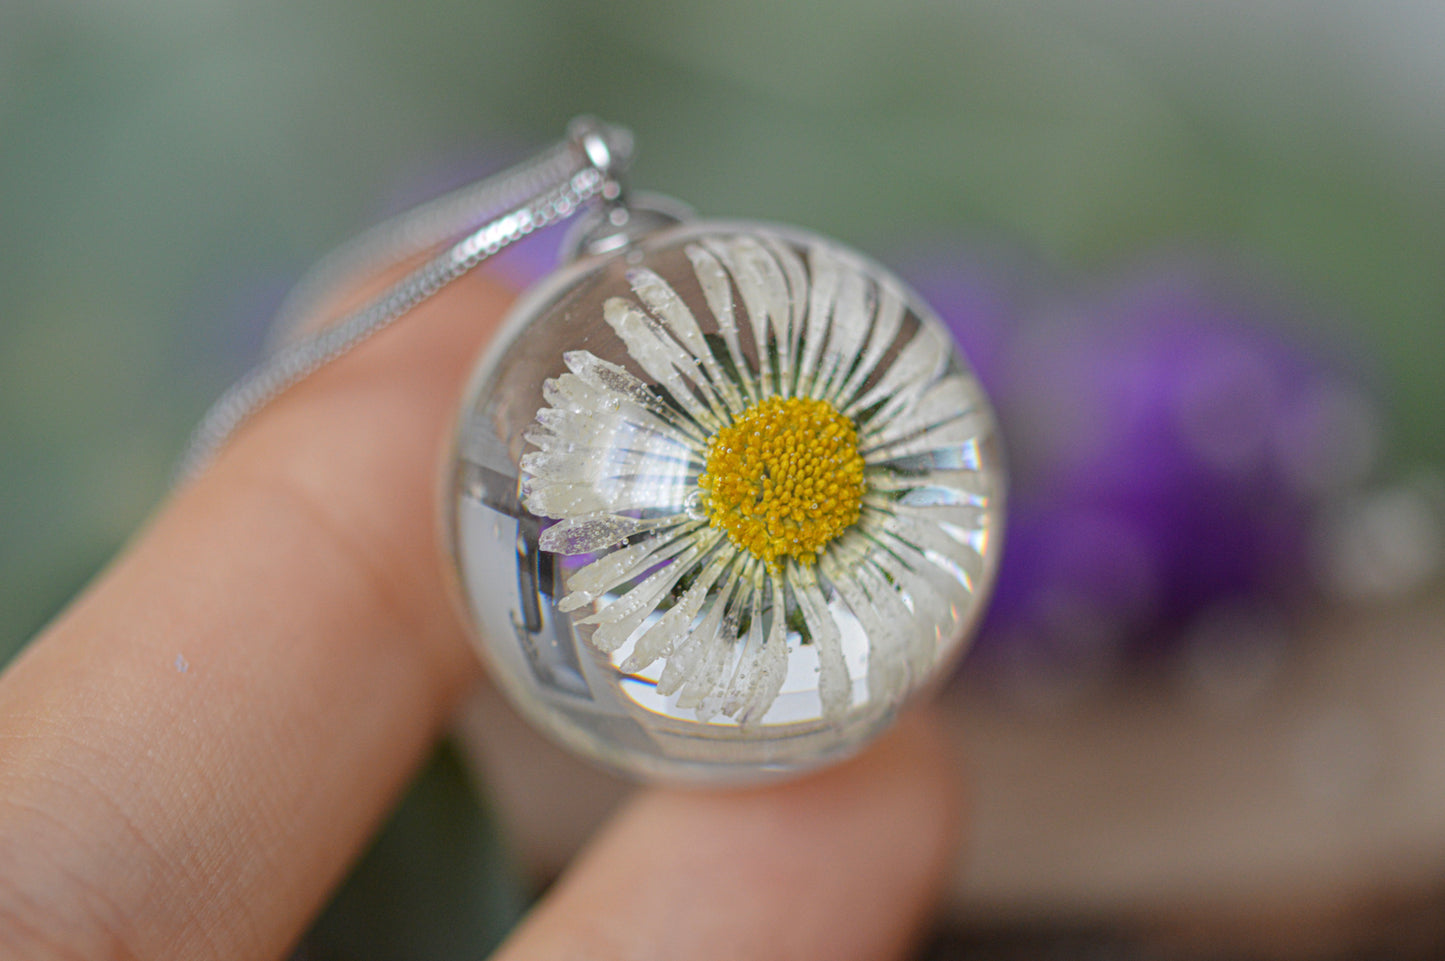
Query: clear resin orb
x=722, y=503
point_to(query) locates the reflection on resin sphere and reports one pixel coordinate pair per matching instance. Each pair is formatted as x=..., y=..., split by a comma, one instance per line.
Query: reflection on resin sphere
x=723, y=501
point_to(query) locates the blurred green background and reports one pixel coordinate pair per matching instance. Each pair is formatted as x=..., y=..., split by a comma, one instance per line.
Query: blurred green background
x=167, y=169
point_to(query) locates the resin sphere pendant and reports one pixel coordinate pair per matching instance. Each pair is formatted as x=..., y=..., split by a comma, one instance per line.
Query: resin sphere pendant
x=723, y=501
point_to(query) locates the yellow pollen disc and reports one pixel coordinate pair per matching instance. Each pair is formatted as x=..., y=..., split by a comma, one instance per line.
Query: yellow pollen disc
x=785, y=478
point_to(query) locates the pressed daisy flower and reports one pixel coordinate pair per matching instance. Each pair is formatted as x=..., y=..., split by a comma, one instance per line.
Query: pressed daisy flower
x=789, y=459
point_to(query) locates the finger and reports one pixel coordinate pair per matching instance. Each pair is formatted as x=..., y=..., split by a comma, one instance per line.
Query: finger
x=193, y=753
x=845, y=864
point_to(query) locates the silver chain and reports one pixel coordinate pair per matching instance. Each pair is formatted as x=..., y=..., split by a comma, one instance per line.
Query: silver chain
x=497, y=211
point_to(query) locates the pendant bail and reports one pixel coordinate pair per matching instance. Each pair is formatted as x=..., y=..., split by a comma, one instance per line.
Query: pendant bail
x=607, y=148
x=622, y=217
x=615, y=224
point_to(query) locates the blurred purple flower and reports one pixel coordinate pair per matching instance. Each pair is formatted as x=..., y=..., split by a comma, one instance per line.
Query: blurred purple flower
x=1173, y=440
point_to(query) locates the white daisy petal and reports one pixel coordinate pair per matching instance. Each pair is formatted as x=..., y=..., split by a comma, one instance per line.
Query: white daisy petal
x=919, y=639
x=740, y=684
x=928, y=605
x=929, y=537
x=887, y=322
x=791, y=330
x=662, y=358
x=704, y=647
x=701, y=680
x=763, y=274
x=599, y=429
x=718, y=293
x=620, y=566
x=944, y=436
x=622, y=617
x=658, y=640
x=612, y=379
x=570, y=394
x=592, y=464
x=904, y=600
x=590, y=533
x=943, y=400
x=932, y=587
x=965, y=517
x=771, y=669
x=824, y=268
x=887, y=666
x=847, y=333
x=633, y=452
x=949, y=435
x=835, y=688
x=611, y=495
x=919, y=364
x=663, y=301
x=969, y=484
x=688, y=655
x=708, y=687
x=765, y=296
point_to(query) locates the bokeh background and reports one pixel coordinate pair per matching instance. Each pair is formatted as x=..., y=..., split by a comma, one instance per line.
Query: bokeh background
x=1128, y=209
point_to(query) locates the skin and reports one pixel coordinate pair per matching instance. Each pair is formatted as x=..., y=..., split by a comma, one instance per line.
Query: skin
x=195, y=751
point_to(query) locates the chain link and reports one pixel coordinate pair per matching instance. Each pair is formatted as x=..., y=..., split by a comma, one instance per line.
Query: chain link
x=508, y=206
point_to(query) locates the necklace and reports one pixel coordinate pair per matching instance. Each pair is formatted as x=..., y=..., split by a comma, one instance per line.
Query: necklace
x=724, y=496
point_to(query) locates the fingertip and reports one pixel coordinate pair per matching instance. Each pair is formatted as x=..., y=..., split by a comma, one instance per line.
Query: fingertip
x=846, y=863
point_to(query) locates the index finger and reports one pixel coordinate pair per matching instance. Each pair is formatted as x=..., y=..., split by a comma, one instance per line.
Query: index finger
x=194, y=752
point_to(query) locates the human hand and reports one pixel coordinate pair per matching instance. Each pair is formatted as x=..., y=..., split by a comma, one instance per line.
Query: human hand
x=194, y=752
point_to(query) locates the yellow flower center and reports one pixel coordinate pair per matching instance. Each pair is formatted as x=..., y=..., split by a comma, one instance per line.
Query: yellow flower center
x=784, y=479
